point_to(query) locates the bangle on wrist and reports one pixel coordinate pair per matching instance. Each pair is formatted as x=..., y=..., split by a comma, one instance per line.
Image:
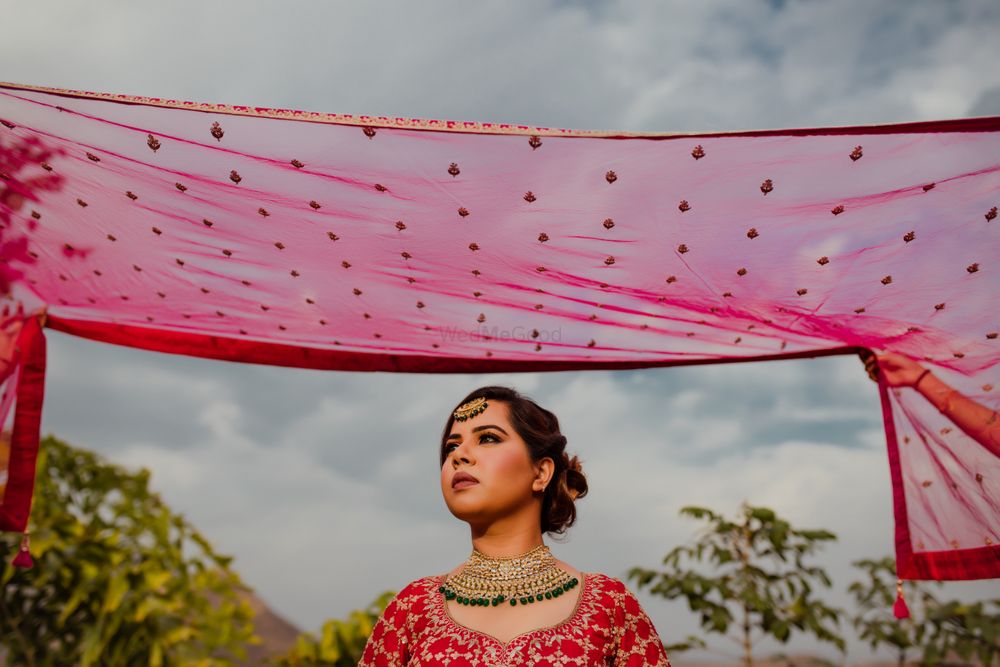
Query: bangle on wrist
x=921, y=377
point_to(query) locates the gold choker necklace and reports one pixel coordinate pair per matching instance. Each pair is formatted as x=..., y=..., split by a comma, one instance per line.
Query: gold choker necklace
x=530, y=577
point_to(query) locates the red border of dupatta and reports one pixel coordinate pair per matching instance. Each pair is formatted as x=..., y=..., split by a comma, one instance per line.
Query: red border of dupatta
x=975, y=563
x=16, y=507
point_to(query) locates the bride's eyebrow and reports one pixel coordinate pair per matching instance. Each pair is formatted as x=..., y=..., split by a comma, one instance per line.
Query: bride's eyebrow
x=477, y=429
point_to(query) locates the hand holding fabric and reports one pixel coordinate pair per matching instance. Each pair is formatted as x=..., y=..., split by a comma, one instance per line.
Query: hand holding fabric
x=898, y=370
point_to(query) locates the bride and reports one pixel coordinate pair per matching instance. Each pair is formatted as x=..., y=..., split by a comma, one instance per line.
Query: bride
x=504, y=471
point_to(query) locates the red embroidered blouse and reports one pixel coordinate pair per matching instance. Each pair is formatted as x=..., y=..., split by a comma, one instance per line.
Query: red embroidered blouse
x=607, y=627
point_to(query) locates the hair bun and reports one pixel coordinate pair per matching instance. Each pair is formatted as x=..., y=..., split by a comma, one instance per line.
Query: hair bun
x=575, y=482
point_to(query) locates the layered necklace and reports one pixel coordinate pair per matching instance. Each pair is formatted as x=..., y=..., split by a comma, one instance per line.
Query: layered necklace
x=524, y=579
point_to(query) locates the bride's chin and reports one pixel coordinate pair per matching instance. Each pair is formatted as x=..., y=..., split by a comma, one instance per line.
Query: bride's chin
x=469, y=512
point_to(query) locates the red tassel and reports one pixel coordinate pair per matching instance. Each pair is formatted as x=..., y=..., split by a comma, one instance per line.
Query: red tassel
x=899, y=609
x=23, y=557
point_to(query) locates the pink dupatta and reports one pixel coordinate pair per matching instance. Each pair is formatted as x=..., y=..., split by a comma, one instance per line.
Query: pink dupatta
x=394, y=244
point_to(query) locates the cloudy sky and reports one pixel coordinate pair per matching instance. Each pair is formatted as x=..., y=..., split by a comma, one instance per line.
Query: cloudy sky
x=324, y=484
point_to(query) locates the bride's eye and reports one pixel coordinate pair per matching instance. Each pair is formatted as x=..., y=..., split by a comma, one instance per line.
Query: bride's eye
x=452, y=445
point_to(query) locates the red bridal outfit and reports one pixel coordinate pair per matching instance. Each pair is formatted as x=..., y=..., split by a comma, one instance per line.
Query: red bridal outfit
x=607, y=627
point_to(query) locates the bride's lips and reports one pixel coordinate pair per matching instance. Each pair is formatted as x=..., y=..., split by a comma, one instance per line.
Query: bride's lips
x=463, y=480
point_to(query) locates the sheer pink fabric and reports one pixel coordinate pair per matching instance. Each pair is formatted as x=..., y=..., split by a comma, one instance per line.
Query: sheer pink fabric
x=392, y=244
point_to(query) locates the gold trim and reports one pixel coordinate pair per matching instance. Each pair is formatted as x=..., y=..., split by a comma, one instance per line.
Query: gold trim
x=468, y=127
x=465, y=127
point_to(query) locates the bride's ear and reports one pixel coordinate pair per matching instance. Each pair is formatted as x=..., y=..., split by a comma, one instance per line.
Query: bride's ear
x=543, y=474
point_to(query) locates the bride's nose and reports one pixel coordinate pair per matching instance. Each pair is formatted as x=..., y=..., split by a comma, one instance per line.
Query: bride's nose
x=461, y=455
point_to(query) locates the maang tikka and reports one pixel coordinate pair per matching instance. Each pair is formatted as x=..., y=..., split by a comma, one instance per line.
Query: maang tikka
x=470, y=409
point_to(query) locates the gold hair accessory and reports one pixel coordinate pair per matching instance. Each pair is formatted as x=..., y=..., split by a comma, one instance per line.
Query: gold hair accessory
x=470, y=409
x=527, y=578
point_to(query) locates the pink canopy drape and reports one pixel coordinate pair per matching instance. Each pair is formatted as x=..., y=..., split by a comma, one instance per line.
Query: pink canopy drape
x=394, y=244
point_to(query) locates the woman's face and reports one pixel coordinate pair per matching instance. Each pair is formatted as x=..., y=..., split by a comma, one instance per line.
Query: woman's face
x=489, y=449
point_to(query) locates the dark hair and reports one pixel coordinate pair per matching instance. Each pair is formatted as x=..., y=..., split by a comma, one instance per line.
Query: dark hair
x=539, y=428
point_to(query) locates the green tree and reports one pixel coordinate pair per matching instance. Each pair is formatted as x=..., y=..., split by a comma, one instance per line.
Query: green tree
x=118, y=578
x=341, y=642
x=936, y=630
x=756, y=582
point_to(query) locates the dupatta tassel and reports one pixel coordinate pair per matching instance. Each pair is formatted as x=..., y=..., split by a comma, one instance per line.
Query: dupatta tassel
x=899, y=609
x=23, y=557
